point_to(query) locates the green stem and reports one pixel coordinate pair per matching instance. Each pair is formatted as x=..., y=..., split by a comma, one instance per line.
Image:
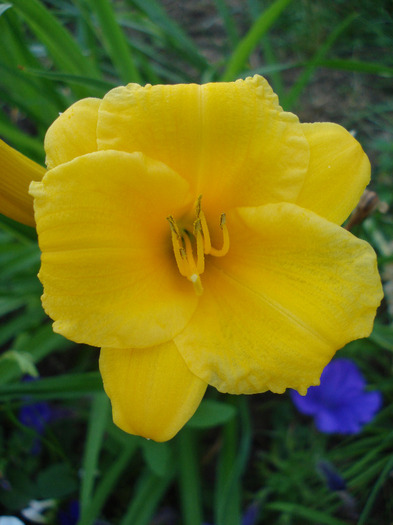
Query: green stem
x=190, y=487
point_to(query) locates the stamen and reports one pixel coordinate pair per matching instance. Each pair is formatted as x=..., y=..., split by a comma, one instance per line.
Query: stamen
x=206, y=235
x=183, y=246
x=205, y=230
x=190, y=257
x=225, y=234
x=178, y=248
x=200, y=246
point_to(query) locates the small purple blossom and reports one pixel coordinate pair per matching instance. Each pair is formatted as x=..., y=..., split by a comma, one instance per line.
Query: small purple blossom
x=340, y=404
x=35, y=415
x=70, y=516
x=250, y=515
x=333, y=479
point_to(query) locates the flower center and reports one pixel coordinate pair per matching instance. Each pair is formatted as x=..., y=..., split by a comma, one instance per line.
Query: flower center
x=185, y=243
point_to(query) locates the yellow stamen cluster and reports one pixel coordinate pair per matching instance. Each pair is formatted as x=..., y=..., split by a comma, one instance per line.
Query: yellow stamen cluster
x=183, y=240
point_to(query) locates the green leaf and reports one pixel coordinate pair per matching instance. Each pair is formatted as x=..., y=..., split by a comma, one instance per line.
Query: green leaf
x=311, y=516
x=62, y=387
x=383, y=336
x=246, y=46
x=229, y=22
x=386, y=472
x=290, y=99
x=358, y=66
x=115, y=41
x=189, y=477
x=106, y=485
x=99, y=416
x=4, y=7
x=31, y=146
x=157, y=456
x=178, y=38
x=23, y=360
x=57, y=481
x=64, y=50
x=212, y=413
x=148, y=494
x=234, y=456
x=67, y=78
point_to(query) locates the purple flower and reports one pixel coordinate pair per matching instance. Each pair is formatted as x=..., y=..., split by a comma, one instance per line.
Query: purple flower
x=35, y=415
x=250, y=515
x=71, y=515
x=340, y=404
x=333, y=479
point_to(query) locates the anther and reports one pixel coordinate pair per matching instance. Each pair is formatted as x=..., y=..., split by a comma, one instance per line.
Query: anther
x=178, y=247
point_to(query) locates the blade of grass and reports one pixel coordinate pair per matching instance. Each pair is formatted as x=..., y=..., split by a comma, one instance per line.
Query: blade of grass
x=98, y=419
x=27, y=96
x=21, y=258
x=311, y=515
x=30, y=146
x=276, y=77
x=86, y=32
x=177, y=37
x=246, y=46
x=19, y=232
x=109, y=480
x=149, y=492
x=229, y=22
x=386, y=472
x=234, y=463
x=358, y=66
x=98, y=85
x=290, y=99
x=20, y=323
x=61, y=46
x=62, y=387
x=16, y=53
x=371, y=457
x=228, y=508
x=189, y=478
x=115, y=41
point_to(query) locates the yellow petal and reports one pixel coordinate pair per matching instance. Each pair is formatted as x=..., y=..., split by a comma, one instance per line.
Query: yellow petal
x=152, y=391
x=107, y=265
x=16, y=173
x=338, y=173
x=293, y=289
x=231, y=141
x=73, y=133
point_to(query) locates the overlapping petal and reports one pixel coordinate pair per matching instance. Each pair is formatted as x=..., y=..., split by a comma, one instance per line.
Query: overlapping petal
x=338, y=172
x=293, y=289
x=107, y=264
x=152, y=391
x=16, y=173
x=231, y=141
x=74, y=133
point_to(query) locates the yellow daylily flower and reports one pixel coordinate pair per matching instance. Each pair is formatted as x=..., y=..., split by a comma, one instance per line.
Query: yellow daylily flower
x=193, y=233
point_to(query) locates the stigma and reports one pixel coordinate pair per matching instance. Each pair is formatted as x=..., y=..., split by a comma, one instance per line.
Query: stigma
x=190, y=247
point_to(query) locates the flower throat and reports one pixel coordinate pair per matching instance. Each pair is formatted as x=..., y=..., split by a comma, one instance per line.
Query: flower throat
x=183, y=241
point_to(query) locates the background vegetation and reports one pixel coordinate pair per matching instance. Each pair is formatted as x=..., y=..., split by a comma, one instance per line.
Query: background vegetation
x=252, y=459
